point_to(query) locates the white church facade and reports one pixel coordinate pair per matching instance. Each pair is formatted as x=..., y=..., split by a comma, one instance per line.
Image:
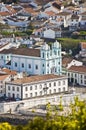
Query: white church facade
x=46, y=60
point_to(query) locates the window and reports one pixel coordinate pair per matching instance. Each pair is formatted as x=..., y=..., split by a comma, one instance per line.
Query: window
x=45, y=84
x=54, y=83
x=8, y=87
x=13, y=88
x=84, y=82
x=36, y=67
x=49, y=84
x=22, y=65
x=35, y=93
x=17, y=95
x=75, y=75
x=43, y=55
x=26, y=95
x=26, y=88
x=58, y=52
x=54, y=90
x=59, y=89
x=31, y=95
x=63, y=82
x=81, y=82
x=81, y=76
x=29, y=66
x=85, y=77
x=7, y=57
x=63, y=88
x=48, y=64
x=59, y=83
x=68, y=74
x=40, y=93
x=30, y=87
x=40, y=86
x=55, y=52
x=72, y=75
x=9, y=94
x=36, y=87
x=17, y=88
x=47, y=55
x=1, y=57
x=58, y=63
x=1, y=86
x=1, y=81
x=15, y=64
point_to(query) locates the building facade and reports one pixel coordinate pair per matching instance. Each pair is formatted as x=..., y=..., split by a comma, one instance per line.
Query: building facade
x=45, y=60
x=36, y=86
x=77, y=75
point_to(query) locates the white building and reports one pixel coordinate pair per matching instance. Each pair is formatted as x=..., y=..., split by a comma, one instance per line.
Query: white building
x=6, y=75
x=35, y=86
x=3, y=79
x=82, y=52
x=66, y=18
x=74, y=24
x=46, y=60
x=77, y=75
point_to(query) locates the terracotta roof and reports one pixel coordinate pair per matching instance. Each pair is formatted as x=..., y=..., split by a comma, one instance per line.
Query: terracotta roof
x=3, y=77
x=22, y=51
x=5, y=13
x=66, y=61
x=36, y=78
x=81, y=69
x=8, y=71
x=50, y=13
x=30, y=10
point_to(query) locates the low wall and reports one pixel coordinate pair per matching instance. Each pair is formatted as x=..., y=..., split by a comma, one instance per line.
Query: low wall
x=9, y=107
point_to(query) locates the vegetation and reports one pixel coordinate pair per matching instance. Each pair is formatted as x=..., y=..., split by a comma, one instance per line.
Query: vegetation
x=17, y=33
x=74, y=119
x=70, y=44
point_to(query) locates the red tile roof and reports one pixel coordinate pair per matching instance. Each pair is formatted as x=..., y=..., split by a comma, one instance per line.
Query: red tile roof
x=5, y=13
x=22, y=51
x=81, y=69
x=37, y=78
x=66, y=61
x=8, y=71
x=50, y=13
x=3, y=77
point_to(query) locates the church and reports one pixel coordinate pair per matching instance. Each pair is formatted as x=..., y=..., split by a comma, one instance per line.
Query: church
x=34, y=61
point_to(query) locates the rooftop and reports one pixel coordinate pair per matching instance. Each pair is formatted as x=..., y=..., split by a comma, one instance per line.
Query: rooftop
x=36, y=78
x=22, y=51
x=81, y=69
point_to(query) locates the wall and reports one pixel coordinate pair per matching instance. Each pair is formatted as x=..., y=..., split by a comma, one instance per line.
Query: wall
x=53, y=99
